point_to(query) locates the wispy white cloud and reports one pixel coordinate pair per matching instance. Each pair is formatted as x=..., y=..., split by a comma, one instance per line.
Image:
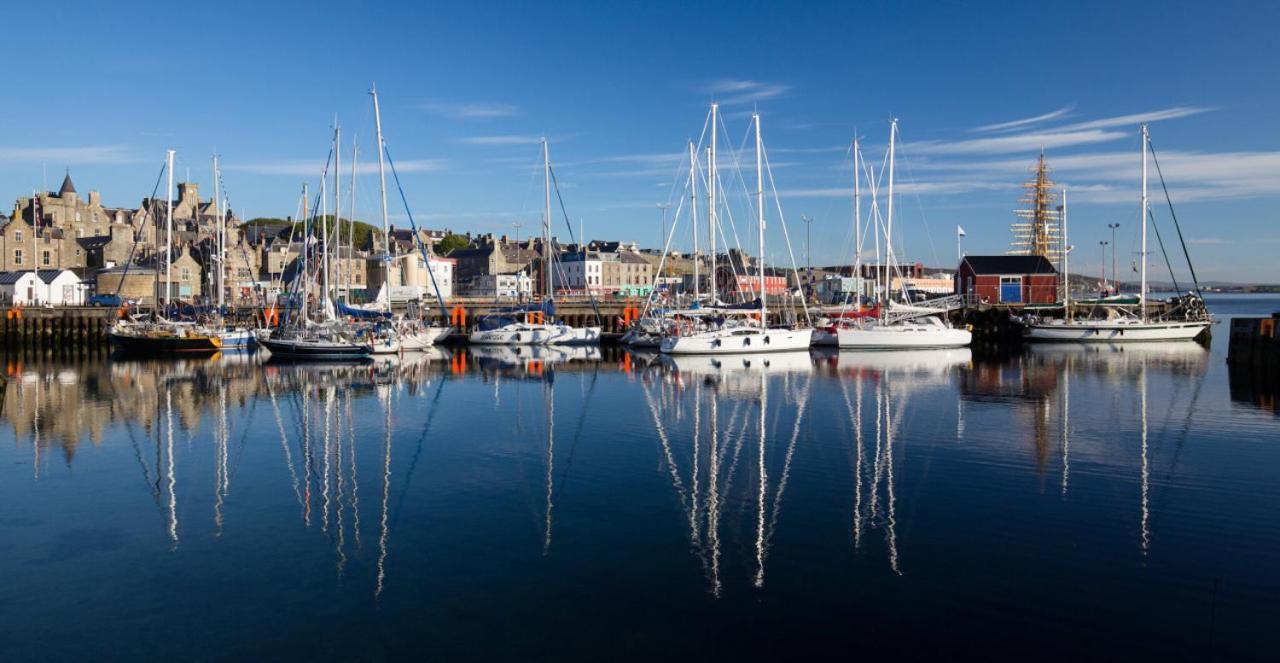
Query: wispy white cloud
x=1024, y=142
x=729, y=92
x=313, y=167
x=506, y=139
x=1137, y=118
x=1026, y=121
x=470, y=110
x=926, y=188
x=1208, y=240
x=88, y=154
x=1112, y=177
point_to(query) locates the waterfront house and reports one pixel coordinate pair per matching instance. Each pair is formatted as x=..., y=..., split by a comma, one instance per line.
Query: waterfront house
x=1006, y=279
x=19, y=288
x=501, y=287
x=47, y=287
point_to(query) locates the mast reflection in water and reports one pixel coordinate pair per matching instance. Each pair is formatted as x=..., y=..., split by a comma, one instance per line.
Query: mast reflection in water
x=542, y=502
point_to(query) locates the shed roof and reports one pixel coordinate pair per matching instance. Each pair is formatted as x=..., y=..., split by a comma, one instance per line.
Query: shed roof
x=48, y=275
x=1009, y=265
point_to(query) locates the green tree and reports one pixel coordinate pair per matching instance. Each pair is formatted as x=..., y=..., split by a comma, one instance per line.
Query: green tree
x=451, y=242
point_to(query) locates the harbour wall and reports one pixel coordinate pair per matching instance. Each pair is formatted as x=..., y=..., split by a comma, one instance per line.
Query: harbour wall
x=67, y=329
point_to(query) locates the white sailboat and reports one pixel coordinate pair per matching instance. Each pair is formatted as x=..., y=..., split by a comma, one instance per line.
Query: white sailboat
x=400, y=333
x=531, y=327
x=1120, y=327
x=647, y=330
x=744, y=334
x=910, y=326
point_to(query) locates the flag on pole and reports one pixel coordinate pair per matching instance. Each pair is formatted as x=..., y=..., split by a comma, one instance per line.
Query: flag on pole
x=959, y=231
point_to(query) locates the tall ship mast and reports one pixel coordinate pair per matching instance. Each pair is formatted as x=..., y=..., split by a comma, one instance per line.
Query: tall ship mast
x=1038, y=230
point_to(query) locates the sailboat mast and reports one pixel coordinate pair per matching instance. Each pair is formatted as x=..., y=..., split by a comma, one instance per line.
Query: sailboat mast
x=337, y=202
x=382, y=183
x=857, y=224
x=546, y=219
x=711, y=201
x=888, y=232
x=693, y=216
x=168, y=236
x=337, y=152
x=351, y=219
x=764, y=298
x=221, y=236
x=1142, y=292
x=305, y=288
x=1066, y=249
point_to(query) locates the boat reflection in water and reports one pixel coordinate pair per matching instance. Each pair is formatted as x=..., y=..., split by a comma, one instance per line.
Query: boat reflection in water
x=1125, y=368
x=426, y=485
x=758, y=394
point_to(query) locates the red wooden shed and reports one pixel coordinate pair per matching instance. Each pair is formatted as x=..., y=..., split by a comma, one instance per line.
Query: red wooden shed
x=1008, y=279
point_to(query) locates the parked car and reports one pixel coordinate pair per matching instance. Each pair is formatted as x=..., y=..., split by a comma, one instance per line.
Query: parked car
x=111, y=300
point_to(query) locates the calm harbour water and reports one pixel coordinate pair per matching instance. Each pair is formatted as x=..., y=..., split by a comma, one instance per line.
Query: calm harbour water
x=1061, y=502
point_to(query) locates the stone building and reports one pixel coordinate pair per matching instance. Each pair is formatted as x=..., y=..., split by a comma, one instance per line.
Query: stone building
x=133, y=283
x=65, y=209
x=62, y=230
x=495, y=256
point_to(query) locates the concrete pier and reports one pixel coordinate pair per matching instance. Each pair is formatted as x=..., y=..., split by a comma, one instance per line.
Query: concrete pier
x=1255, y=342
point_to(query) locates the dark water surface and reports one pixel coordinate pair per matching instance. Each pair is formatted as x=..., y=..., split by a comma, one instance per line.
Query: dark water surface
x=1061, y=502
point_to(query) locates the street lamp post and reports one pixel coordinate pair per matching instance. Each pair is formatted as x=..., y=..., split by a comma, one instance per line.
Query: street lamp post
x=1114, y=277
x=1104, y=244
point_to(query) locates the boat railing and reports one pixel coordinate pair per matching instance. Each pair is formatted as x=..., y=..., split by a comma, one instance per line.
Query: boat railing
x=936, y=306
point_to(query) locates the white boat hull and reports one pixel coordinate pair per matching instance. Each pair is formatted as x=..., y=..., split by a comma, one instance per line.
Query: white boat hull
x=898, y=336
x=384, y=346
x=1113, y=332
x=576, y=336
x=738, y=340
x=238, y=339
x=424, y=338
x=533, y=334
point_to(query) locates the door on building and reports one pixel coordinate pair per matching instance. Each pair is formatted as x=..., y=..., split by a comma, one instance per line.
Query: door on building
x=1011, y=289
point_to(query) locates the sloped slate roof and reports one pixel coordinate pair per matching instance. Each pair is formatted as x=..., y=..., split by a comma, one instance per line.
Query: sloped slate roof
x=1010, y=265
x=67, y=186
x=48, y=275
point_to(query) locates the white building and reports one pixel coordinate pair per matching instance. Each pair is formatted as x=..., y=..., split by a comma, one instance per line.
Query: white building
x=63, y=288
x=52, y=287
x=19, y=288
x=512, y=287
x=410, y=281
x=579, y=272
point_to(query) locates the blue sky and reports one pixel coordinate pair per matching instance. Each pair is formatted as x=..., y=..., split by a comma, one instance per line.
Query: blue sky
x=619, y=88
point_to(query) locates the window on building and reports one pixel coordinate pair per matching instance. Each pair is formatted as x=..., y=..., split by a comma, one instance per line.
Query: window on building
x=45, y=258
x=17, y=235
x=17, y=257
x=186, y=274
